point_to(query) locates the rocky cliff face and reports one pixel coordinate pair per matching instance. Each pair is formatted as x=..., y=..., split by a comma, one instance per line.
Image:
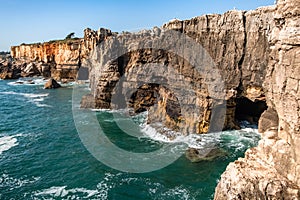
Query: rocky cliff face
x=238, y=45
x=57, y=59
x=272, y=170
x=256, y=53
x=60, y=59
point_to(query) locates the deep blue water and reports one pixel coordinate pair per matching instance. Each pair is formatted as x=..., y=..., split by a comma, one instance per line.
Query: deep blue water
x=42, y=156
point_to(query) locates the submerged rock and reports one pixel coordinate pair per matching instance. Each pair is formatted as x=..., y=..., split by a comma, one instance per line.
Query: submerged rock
x=52, y=84
x=197, y=155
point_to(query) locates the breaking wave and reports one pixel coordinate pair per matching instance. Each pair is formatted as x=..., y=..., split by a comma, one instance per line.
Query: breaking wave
x=33, y=98
x=7, y=142
x=111, y=182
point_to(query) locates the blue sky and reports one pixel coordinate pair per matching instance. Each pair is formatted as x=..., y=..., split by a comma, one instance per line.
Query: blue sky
x=38, y=20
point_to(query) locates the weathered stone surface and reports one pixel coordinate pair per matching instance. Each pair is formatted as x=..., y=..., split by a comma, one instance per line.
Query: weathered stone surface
x=51, y=84
x=268, y=121
x=87, y=101
x=57, y=59
x=271, y=170
x=236, y=41
x=13, y=69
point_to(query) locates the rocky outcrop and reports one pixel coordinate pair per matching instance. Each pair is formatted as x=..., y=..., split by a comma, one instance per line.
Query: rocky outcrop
x=197, y=155
x=51, y=84
x=13, y=69
x=272, y=170
x=256, y=53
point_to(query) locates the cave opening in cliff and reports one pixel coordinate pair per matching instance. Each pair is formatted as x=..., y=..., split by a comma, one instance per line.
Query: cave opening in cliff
x=247, y=110
x=144, y=97
x=152, y=94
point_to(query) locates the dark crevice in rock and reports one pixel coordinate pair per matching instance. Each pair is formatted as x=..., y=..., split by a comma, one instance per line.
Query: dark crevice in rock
x=173, y=108
x=249, y=110
x=122, y=62
x=241, y=61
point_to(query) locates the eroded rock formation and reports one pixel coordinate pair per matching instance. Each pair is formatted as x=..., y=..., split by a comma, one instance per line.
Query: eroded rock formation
x=57, y=59
x=236, y=41
x=272, y=170
x=51, y=84
x=256, y=53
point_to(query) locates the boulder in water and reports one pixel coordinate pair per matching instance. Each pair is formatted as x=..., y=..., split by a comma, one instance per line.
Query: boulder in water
x=197, y=155
x=51, y=84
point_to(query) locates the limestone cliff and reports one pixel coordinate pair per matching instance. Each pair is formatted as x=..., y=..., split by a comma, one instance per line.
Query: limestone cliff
x=256, y=52
x=237, y=43
x=59, y=59
x=272, y=170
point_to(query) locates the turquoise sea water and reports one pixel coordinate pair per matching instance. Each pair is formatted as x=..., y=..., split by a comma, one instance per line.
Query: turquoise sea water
x=42, y=157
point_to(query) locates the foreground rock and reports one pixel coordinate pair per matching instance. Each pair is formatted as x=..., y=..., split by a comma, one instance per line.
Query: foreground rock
x=51, y=84
x=272, y=170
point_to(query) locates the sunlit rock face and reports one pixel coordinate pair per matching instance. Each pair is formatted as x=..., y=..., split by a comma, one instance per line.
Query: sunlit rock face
x=272, y=170
x=237, y=43
x=59, y=59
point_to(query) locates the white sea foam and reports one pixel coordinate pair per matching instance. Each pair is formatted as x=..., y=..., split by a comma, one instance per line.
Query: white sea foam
x=7, y=142
x=178, y=192
x=100, y=192
x=31, y=97
x=62, y=191
x=11, y=182
x=239, y=140
x=236, y=139
x=27, y=81
x=109, y=183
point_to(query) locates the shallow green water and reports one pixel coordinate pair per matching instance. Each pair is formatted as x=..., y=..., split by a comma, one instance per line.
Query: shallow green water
x=42, y=157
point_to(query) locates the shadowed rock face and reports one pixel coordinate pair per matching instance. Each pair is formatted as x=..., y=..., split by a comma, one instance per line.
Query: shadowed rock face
x=51, y=84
